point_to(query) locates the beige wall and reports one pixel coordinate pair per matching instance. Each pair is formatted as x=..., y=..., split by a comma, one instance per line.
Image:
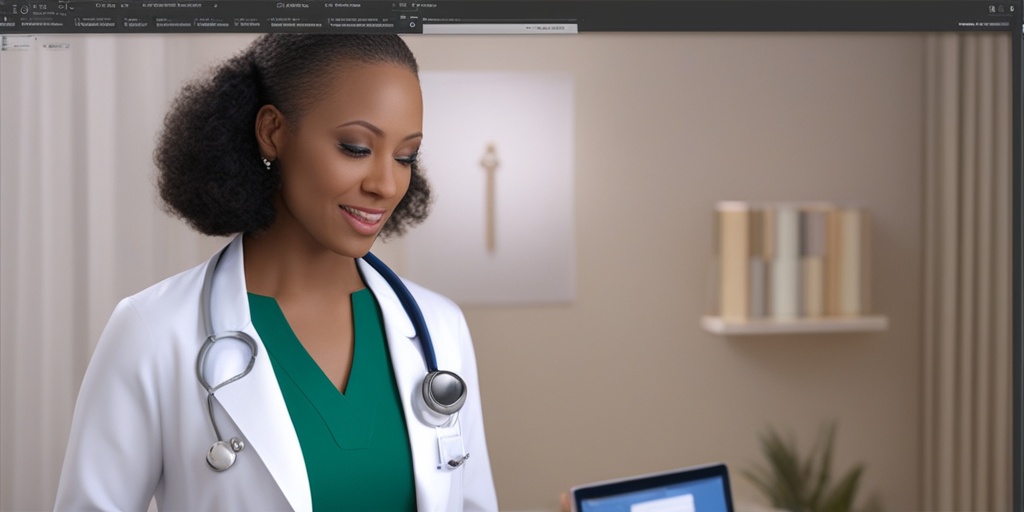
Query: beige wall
x=624, y=380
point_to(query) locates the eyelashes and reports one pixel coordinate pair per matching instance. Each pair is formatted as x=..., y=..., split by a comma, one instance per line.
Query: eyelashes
x=356, y=151
x=409, y=160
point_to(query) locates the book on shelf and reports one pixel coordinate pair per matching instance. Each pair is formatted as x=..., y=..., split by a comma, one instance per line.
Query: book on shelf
x=758, y=263
x=813, y=243
x=786, y=284
x=854, y=260
x=790, y=260
x=833, y=248
x=734, y=247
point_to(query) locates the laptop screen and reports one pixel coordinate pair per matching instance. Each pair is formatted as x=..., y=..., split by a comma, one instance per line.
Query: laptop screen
x=701, y=489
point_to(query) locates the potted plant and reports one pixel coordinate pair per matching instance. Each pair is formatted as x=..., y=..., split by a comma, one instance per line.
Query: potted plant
x=806, y=484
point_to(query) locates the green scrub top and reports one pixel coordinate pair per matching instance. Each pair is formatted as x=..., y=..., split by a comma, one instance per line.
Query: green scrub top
x=355, y=443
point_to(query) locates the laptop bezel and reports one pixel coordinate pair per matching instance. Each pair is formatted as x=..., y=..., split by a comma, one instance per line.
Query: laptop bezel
x=626, y=485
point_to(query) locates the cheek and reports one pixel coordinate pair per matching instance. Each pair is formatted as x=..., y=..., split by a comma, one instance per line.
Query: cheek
x=321, y=175
x=404, y=182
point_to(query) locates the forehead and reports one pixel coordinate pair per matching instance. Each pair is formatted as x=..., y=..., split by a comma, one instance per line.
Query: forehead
x=385, y=93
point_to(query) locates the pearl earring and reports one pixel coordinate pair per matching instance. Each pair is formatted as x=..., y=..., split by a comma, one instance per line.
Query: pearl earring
x=266, y=163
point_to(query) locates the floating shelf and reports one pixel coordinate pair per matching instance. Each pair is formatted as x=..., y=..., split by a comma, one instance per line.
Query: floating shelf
x=718, y=325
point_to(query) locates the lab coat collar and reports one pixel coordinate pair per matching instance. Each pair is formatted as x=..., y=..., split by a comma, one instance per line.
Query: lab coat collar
x=255, y=403
x=433, y=485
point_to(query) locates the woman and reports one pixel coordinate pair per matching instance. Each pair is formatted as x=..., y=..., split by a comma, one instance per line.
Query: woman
x=306, y=147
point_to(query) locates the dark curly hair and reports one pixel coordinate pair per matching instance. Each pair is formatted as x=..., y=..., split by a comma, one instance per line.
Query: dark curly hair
x=210, y=168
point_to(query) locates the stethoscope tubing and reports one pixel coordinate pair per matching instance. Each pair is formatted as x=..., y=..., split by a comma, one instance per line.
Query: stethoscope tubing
x=411, y=308
x=205, y=308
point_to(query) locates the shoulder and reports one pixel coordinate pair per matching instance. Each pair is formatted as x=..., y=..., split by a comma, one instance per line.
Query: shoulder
x=445, y=319
x=436, y=307
x=141, y=325
x=177, y=291
x=429, y=298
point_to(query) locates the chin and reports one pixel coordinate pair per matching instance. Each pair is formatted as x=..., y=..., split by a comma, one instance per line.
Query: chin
x=352, y=248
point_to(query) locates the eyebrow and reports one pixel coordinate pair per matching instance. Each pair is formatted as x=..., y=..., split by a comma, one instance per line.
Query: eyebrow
x=375, y=129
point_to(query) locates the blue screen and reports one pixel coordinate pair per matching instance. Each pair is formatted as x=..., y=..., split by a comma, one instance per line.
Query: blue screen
x=709, y=495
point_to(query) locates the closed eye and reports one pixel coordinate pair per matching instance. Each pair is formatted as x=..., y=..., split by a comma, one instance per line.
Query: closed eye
x=354, y=150
x=408, y=160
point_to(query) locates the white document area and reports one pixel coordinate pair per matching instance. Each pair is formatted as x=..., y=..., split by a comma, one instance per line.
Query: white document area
x=677, y=504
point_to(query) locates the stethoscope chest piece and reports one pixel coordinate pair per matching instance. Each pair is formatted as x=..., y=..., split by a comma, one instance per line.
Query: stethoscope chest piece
x=444, y=392
x=222, y=454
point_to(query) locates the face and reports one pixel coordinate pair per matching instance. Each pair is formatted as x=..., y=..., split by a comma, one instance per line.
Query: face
x=347, y=163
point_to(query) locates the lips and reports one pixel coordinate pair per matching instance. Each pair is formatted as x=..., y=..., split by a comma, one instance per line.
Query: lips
x=365, y=221
x=367, y=216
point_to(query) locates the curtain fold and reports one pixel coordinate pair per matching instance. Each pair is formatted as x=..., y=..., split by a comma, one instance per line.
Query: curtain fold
x=966, y=353
x=80, y=228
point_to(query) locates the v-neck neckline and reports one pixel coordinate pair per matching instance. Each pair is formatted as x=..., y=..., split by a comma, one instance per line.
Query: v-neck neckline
x=297, y=361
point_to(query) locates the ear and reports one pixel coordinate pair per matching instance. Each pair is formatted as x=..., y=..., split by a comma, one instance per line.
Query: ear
x=270, y=128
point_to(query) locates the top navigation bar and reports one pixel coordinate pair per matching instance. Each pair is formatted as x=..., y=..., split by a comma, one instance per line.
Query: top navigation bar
x=502, y=16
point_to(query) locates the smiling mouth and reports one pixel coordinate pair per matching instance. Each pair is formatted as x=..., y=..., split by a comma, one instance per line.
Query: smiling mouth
x=367, y=217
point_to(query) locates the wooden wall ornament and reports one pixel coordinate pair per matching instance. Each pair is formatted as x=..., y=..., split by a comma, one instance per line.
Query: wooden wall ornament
x=490, y=163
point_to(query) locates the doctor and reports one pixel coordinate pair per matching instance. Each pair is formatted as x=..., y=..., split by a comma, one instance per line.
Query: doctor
x=308, y=394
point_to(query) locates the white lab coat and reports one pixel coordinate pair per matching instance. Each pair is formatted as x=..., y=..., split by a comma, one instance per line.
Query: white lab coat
x=141, y=426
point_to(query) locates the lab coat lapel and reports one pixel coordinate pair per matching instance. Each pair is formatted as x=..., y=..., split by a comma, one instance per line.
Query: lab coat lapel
x=255, y=403
x=432, y=484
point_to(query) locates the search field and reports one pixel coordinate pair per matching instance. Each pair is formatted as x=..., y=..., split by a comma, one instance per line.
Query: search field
x=499, y=28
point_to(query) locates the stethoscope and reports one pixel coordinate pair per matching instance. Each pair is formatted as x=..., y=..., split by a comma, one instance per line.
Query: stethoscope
x=443, y=392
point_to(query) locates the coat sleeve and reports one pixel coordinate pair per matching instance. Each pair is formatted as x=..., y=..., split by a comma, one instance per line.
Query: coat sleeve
x=478, y=483
x=113, y=457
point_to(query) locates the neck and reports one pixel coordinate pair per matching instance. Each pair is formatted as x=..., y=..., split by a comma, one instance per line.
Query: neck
x=285, y=263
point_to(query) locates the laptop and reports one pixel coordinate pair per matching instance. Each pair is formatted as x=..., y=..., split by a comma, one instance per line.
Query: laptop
x=693, y=489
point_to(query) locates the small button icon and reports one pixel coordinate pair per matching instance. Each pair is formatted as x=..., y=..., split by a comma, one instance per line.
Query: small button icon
x=412, y=24
x=24, y=9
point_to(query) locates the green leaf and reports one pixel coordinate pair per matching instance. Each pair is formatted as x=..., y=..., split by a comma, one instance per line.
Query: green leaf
x=785, y=464
x=841, y=498
x=825, y=465
x=765, y=481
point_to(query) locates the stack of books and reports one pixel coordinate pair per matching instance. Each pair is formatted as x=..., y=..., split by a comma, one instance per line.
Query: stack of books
x=790, y=261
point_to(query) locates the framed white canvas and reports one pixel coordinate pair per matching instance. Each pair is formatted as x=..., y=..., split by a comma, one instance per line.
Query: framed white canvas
x=499, y=153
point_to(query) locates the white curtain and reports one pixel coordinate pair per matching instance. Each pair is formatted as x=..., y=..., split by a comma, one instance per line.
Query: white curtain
x=967, y=321
x=80, y=225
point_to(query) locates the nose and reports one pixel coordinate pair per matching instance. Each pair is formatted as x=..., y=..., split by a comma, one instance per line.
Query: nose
x=380, y=180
